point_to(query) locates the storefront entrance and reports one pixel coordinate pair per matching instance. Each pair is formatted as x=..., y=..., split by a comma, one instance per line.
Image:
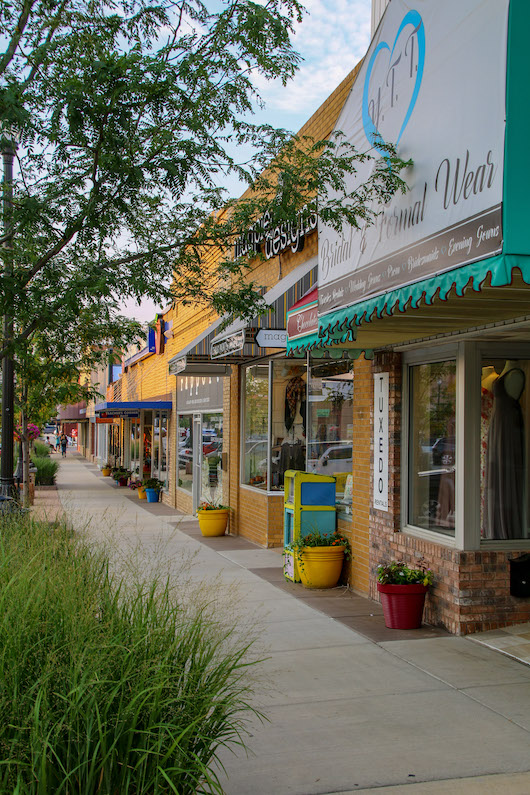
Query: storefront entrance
x=200, y=456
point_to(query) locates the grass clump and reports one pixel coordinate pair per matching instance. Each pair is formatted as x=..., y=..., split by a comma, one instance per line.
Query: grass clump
x=41, y=449
x=46, y=470
x=107, y=686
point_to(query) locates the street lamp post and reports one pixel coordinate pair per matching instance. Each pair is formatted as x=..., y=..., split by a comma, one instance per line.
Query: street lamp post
x=8, y=373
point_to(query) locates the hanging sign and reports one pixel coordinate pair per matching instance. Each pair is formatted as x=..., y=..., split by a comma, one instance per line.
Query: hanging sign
x=271, y=338
x=410, y=92
x=381, y=441
x=224, y=346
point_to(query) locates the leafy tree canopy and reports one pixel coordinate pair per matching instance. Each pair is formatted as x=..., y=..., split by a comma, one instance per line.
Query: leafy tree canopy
x=129, y=113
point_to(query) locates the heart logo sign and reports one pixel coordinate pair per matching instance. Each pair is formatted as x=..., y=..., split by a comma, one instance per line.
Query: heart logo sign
x=392, y=83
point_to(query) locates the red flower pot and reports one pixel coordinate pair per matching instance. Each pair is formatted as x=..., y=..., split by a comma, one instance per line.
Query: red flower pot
x=402, y=605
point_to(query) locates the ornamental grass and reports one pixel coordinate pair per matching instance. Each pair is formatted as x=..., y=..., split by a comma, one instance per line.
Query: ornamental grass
x=46, y=470
x=106, y=685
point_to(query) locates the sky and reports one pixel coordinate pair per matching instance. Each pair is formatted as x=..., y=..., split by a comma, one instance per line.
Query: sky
x=332, y=38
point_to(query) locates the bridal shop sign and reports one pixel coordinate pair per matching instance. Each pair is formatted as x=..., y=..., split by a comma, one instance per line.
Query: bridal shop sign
x=433, y=84
x=381, y=441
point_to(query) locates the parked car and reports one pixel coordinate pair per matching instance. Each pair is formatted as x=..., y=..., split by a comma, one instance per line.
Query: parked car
x=337, y=458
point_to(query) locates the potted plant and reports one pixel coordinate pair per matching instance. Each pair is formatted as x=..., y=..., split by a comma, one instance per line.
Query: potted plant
x=106, y=470
x=403, y=592
x=121, y=476
x=318, y=558
x=213, y=518
x=136, y=485
x=153, y=487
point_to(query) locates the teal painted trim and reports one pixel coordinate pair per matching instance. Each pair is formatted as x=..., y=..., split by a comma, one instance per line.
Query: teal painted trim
x=302, y=344
x=471, y=276
x=516, y=160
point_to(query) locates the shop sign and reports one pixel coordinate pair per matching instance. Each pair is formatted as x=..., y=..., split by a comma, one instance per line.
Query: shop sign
x=224, y=346
x=381, y=441
x=410, y=92
x=271, y=338
x=276, y=238
x=303, y=321
x=177, y=366
x=199, y=392
x=123, y=413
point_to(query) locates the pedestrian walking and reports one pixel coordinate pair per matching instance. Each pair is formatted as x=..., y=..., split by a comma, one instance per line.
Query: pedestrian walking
x=64, y=442
x=57, y=442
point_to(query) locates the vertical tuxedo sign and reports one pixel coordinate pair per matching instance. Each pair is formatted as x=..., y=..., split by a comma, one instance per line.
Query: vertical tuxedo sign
x=381, y=441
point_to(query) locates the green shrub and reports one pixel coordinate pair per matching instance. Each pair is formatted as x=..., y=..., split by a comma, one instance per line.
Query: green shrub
x=107, y=687
x=46, y=470
x=41, y=449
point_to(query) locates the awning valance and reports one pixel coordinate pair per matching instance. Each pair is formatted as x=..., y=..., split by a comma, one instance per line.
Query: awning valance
x=131, y=408
x=490, y=291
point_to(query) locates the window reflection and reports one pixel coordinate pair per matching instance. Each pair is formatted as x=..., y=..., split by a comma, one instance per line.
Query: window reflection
x=432, y=446
x=330, y=419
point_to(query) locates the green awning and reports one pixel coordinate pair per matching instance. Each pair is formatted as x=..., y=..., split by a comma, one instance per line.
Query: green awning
x=337, y=327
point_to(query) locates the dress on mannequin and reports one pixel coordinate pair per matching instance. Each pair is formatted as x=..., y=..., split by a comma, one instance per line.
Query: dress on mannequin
x=488, y=378
x=504, y=515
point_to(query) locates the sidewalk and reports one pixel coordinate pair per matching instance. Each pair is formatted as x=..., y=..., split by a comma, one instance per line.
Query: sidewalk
x=351, y=706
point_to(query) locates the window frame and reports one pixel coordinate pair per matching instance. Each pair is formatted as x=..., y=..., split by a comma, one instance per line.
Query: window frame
x=468, y=354
x=412, y=359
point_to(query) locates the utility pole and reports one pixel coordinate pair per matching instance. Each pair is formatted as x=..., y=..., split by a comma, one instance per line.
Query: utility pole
x=8, y=144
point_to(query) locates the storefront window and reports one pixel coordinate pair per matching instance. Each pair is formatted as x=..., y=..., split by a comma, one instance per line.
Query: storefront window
x=283, y=437
x=135, y=445
x=160, y=447
x=330, y=425
x=148, y=442
x=504, y=448
x=432, y=447
x=256, y=425
x=288, y=419
x=185, y=452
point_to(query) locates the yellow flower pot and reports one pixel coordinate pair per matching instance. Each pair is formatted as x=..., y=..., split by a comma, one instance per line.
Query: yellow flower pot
x=141, y=492
x=320, y=567
x=213, y=523
x=106, y=472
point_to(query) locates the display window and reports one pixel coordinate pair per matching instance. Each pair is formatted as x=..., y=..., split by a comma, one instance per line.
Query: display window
x=160, y=460
x=256, y=425
x=275, y=420
x=432, y=448
x=504, y=448
x=330, y=425
x=134, y=441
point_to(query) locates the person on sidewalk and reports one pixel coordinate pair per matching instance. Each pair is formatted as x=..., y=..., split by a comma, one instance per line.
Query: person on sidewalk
x=64, y=442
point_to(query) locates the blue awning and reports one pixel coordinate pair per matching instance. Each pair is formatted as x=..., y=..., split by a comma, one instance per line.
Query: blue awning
x=131, y=408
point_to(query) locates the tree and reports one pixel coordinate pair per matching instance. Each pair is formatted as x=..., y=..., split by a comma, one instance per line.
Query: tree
x=52, y=370
x=129, y=112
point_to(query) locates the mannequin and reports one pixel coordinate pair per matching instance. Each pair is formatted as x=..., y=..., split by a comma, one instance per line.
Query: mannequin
x=513, y=379
x=504, y=510
x=489, y=375
x=488, y=378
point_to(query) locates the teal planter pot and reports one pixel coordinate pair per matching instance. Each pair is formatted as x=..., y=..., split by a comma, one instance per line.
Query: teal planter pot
x=152, y=495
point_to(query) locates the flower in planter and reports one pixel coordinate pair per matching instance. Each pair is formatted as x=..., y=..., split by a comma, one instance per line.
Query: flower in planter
x=318, y=539
x=153, y=483
x=397, y=573
x=211, y=505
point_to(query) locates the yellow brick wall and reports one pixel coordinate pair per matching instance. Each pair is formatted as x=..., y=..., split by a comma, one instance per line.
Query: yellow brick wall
x=362, y=462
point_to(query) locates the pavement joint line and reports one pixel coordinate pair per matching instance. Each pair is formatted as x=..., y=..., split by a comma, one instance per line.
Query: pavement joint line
x=461, y=690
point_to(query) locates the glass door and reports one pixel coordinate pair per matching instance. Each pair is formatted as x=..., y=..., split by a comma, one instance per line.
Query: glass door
x=211, y=454
x=197, y=462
